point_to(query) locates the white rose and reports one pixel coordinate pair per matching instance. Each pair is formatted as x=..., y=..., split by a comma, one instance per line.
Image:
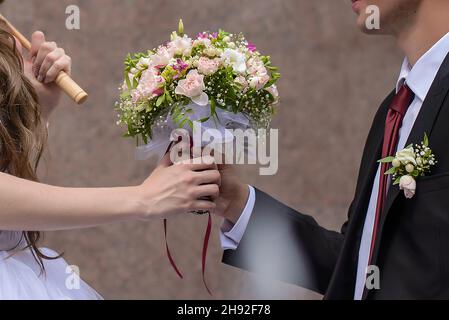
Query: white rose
x=235, y=59
x=181, y=45
x=407, y=156
x=202, y=41
x=408, y=184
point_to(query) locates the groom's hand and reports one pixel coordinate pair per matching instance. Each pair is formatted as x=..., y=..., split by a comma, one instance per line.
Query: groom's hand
x=233, y=194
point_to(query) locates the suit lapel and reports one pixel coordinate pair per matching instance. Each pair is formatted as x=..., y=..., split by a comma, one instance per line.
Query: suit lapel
x=368, y=174
x=423, y=124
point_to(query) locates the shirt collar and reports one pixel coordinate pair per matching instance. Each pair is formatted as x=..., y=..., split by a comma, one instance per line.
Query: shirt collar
x=420, y=78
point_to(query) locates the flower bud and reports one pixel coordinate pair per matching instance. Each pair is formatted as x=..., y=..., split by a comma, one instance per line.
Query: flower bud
x=410, y=168
x=181, y=28
x=396, y=163
x=227, y=39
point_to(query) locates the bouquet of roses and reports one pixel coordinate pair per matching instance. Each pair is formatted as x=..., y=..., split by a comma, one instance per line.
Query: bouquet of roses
x=217, y=79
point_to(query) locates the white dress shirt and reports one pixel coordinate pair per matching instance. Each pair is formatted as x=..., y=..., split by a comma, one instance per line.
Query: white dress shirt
x=419, y=79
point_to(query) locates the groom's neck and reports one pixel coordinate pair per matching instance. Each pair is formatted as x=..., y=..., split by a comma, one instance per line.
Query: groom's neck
x=429, y=25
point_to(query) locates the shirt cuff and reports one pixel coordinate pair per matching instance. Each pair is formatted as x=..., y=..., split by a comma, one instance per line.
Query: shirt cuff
x=231, y=235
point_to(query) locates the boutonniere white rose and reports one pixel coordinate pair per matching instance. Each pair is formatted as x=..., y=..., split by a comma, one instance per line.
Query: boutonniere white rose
x=409, y=164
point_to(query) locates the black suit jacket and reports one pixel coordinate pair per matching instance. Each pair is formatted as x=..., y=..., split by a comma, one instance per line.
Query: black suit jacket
x=412, y=249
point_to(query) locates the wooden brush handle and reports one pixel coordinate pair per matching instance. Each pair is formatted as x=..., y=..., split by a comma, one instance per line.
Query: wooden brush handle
x=63, y=80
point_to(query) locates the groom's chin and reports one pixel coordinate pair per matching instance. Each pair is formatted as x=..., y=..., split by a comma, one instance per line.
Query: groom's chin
x=362, y=25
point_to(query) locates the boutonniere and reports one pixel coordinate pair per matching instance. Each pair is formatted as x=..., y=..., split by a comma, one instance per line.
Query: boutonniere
x=409, y=164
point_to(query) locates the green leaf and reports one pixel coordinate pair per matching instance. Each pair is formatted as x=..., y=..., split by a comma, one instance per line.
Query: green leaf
x=168, y=97
x=397, y=181
x=391, y=171
x=386, y=160
x=426, y=140
x=125, y=95
x=128, y=81
x=160, y=100
x=213, y=107
x=141, y=106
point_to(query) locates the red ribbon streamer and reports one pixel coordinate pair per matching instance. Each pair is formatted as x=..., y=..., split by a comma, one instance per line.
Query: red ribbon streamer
x=205, y=243
x=203, y=255
x=170, y=258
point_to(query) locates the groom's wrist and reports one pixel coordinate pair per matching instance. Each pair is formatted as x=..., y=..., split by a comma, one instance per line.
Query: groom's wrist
x=238, y=205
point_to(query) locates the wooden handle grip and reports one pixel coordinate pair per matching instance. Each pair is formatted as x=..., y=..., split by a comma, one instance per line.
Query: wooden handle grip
x=71, y=88
x=63, y=80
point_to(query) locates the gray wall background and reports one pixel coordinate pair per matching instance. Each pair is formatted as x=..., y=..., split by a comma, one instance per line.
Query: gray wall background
x=334, y=78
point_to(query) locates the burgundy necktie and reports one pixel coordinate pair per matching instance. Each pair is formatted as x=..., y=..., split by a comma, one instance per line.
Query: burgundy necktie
x=396, y=113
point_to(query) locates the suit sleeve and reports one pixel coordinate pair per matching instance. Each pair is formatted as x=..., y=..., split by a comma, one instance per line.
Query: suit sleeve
x=286, y=245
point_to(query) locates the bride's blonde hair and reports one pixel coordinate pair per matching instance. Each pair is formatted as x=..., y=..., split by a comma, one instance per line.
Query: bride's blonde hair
x=22, y=133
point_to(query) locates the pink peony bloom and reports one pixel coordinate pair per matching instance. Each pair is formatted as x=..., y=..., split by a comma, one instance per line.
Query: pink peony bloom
x=149, y=85
x=193, y=87
x=208, y=66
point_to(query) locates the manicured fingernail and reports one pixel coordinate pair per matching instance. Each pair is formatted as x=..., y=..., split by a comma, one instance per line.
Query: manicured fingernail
x=40, y=78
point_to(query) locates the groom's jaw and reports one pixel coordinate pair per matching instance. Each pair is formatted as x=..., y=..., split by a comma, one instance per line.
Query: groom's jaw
x=385, y=16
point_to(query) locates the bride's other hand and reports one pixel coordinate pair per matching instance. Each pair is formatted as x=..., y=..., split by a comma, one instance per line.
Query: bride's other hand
x=42, y=66
x=180, y=188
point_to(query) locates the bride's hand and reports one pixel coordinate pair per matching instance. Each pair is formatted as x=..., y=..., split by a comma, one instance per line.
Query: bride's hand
x=42, y=66
x=180, y=188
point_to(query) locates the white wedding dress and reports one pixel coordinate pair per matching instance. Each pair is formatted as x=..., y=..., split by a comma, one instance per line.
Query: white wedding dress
x=21, y=277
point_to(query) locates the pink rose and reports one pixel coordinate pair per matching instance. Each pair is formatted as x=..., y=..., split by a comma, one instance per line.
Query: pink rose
x=193, y=87
x=274, y=91
x=408, y=184
x=208, y=66
x=259, y=82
